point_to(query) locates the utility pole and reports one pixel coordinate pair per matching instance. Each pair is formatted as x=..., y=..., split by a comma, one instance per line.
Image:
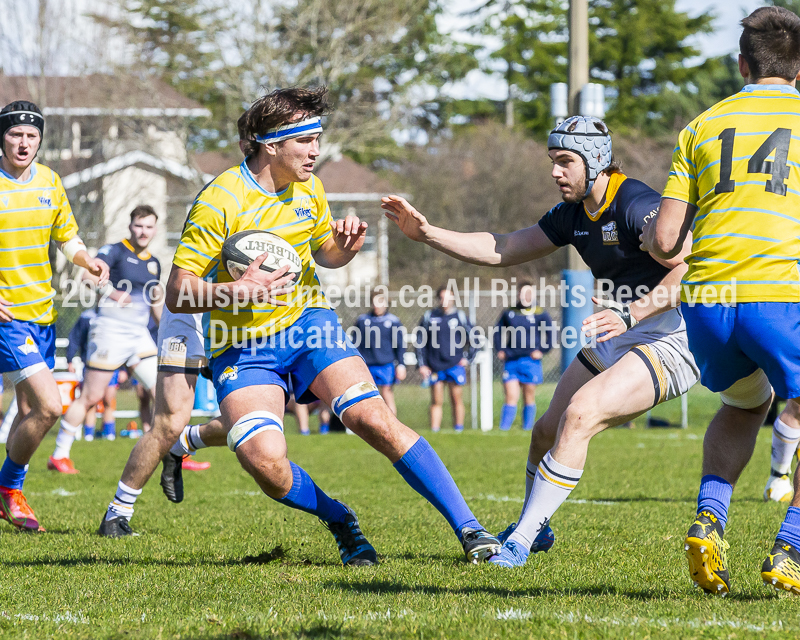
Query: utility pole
x=576, y=276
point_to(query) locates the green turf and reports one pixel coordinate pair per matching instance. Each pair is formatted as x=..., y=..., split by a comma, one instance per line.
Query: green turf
x=230, y=563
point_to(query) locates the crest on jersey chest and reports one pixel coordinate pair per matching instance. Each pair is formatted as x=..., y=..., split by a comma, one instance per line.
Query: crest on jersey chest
x=152, y=267
x=305, y=209
x=610, y=235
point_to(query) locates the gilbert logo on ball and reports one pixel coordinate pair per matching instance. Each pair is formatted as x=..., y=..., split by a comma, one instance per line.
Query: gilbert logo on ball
x=240, y=249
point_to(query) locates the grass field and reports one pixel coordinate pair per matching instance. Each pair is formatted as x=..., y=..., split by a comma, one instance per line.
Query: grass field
x=230, y=563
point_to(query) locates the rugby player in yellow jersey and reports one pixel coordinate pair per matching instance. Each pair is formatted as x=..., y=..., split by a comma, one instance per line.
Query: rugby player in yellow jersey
x=33, y=209
x=273, y=339
x=735, y=179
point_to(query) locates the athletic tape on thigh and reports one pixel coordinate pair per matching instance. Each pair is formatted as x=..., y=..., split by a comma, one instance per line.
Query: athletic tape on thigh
x=146, y=372
x=354, y=395
x=749, y=392
x=252, y=424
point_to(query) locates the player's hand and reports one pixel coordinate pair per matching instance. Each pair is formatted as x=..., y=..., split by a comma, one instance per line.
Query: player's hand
x=607, y=322
x=411, y=222
x=647, y=238
x=349, y=234
x=71, y=367
x=98, y=269
x=400, y=372
x=257, y=286
x=501, y=355
x=536, y=354
x=5, y=313
x=425, y=372
x=463, y=362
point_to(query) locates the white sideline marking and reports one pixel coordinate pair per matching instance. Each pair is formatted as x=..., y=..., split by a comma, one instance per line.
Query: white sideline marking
x=494, y=498
x=65, y=617
x=513, y=614
x=692, y=623
x=243, y=493
x=62, y=492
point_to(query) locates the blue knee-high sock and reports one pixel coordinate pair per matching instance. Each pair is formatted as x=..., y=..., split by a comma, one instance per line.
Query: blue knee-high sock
x=790, y=528
x=422, y=468
x=715, y=496
x=507, y=415
x=307, y=496
x=12, y=475
x=528, y=416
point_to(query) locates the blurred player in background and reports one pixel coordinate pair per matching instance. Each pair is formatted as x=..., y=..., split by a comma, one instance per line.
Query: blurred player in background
x=523, y=335
x=641, y=357
x=445, y=352
x=78, y=347
x=275, y=189
x=382, y=345
x=35, y=210
x=118, y=335
x=785, y=438
x=734, y=182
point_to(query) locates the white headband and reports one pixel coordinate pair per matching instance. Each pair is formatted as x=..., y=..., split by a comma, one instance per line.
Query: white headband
x=292, y=130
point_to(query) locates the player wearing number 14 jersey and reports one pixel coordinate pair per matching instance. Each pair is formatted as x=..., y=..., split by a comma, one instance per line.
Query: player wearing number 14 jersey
x=736, y=178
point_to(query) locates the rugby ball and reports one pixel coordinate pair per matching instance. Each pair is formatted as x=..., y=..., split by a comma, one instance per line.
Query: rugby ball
x=240, y=249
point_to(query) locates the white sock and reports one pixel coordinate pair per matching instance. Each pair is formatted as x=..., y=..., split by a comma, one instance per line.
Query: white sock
x=784, y=444
x=189, y=441
x=122, y=504
x=64, y=439
x=554, y=482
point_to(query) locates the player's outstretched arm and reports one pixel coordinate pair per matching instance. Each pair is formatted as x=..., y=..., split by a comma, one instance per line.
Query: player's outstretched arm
x=347, y=238
x=483, y=248
x=188, y=293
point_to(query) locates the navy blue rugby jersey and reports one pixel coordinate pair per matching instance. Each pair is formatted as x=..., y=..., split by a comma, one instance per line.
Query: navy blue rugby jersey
x=608, y=241
x=132, y=272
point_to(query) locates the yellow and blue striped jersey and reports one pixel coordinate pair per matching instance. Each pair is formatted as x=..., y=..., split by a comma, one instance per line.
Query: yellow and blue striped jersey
x=233, y=202
x=739, y=164
x=32, y=212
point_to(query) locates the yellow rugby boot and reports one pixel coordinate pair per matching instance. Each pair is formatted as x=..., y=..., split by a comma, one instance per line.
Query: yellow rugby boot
x=707, y=554
x=781, y=569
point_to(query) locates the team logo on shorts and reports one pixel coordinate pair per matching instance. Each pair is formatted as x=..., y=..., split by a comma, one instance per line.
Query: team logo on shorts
x=177, y=344
x=152, y=267
x=28, y=347
x=230, y=373
x=610, y=233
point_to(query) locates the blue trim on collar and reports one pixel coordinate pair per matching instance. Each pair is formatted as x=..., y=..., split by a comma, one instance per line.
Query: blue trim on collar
x=783, y=88
x=13, y=179
x=250, y=179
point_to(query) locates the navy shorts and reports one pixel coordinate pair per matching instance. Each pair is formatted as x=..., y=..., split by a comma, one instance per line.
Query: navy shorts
x=526, y=370
x=731, y=342
x=24, y=344
x=383, y=374
x=298, y=353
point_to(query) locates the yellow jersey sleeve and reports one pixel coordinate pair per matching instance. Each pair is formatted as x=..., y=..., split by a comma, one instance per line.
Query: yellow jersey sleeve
x=203, y=234
x=64, y=226
x=322, y=227
x=682, y=181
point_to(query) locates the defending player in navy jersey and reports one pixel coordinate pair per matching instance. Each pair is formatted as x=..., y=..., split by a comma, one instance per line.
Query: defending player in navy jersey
x=523, y=335
x=382, y=345
x=641, y=356
x=118, y=335
x=443, y=356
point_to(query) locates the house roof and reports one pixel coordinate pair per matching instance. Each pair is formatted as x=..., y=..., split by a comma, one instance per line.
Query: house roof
x=100, y=94
x=127, y=160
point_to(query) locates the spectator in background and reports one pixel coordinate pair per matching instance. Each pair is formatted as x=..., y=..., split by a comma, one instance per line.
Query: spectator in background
x=521, y=339
x=381, y=342
x=443, y=356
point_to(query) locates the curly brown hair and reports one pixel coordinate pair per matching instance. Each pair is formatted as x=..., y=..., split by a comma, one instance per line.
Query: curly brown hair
x=280, y=107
